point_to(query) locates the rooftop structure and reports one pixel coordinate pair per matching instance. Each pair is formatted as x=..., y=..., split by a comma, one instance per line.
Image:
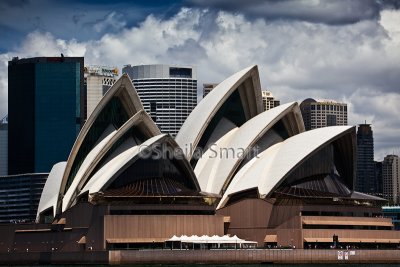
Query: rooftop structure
x=104, y=71
x=269, y=101
x=322, y=113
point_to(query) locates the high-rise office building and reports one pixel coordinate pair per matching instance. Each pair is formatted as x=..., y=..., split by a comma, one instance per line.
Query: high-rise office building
x=3, y=146
x=378, y=178
x=391, y=178
x=46, y=109
x=98, y=79
x=168, y=93
x=268, y=100
x=365, y=179
x=19, y=196
x=322, y=113
x=208, y=87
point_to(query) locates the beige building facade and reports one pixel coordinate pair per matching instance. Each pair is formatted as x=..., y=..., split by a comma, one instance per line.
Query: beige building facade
x=391, y=178
x=269, y=100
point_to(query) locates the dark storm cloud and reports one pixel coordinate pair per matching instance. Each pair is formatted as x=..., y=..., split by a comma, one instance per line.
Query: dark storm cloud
x=15, y=3
x=76, y=18
x=190, y=51
x=389, y=4
x=319, y=11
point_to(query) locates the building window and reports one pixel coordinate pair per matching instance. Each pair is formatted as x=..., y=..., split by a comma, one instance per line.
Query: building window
x=180, y=72
x=331, y=120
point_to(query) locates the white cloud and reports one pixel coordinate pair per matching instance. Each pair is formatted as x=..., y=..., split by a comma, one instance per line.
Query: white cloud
x=39, y=44
x=390, y=20
x=356, y=62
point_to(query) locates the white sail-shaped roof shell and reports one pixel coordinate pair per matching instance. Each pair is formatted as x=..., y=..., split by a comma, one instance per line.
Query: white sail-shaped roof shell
x=131, y=101
x=49, y=197
x=198, y=120
x=207, y=167
x=111, y=170
x=214, y=172
x=89, y=160
x=92, y=159
x=266, y=172
x=104, y=176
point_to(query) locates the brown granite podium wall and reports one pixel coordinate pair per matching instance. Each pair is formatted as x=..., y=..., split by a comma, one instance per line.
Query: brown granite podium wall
x=135, y=228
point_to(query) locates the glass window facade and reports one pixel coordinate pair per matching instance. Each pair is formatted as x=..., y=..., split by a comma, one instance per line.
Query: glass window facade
x=57, y=112
x=322, y=113
x=45, y=111
x=19, y=197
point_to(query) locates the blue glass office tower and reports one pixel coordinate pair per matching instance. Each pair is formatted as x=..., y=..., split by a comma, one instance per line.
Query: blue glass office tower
x=46, y=110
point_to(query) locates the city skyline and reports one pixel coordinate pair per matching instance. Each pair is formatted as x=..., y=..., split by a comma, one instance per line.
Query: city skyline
x=336, y=50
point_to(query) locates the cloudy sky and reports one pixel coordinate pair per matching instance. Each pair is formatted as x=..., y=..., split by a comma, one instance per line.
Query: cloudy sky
x=346, y=50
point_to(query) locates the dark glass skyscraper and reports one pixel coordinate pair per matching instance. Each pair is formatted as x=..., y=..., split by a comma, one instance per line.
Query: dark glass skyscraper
x=46, y=109
x=378, y=178
x=365, y=181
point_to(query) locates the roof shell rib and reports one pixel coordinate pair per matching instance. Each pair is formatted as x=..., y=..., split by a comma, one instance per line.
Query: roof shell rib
x=273, y=165
x=111, y=170
x=127, y=97
x=247, y=81
x=49, y=197
x=218, y=165
x=140, y=119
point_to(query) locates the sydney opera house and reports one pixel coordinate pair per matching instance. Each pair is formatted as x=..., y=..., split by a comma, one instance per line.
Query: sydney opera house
x=232, y=169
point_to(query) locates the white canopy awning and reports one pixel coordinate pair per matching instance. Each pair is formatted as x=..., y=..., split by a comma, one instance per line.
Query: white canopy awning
x=226, y=239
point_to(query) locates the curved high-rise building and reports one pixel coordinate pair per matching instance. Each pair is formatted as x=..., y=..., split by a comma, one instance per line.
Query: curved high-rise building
x=168, y=93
